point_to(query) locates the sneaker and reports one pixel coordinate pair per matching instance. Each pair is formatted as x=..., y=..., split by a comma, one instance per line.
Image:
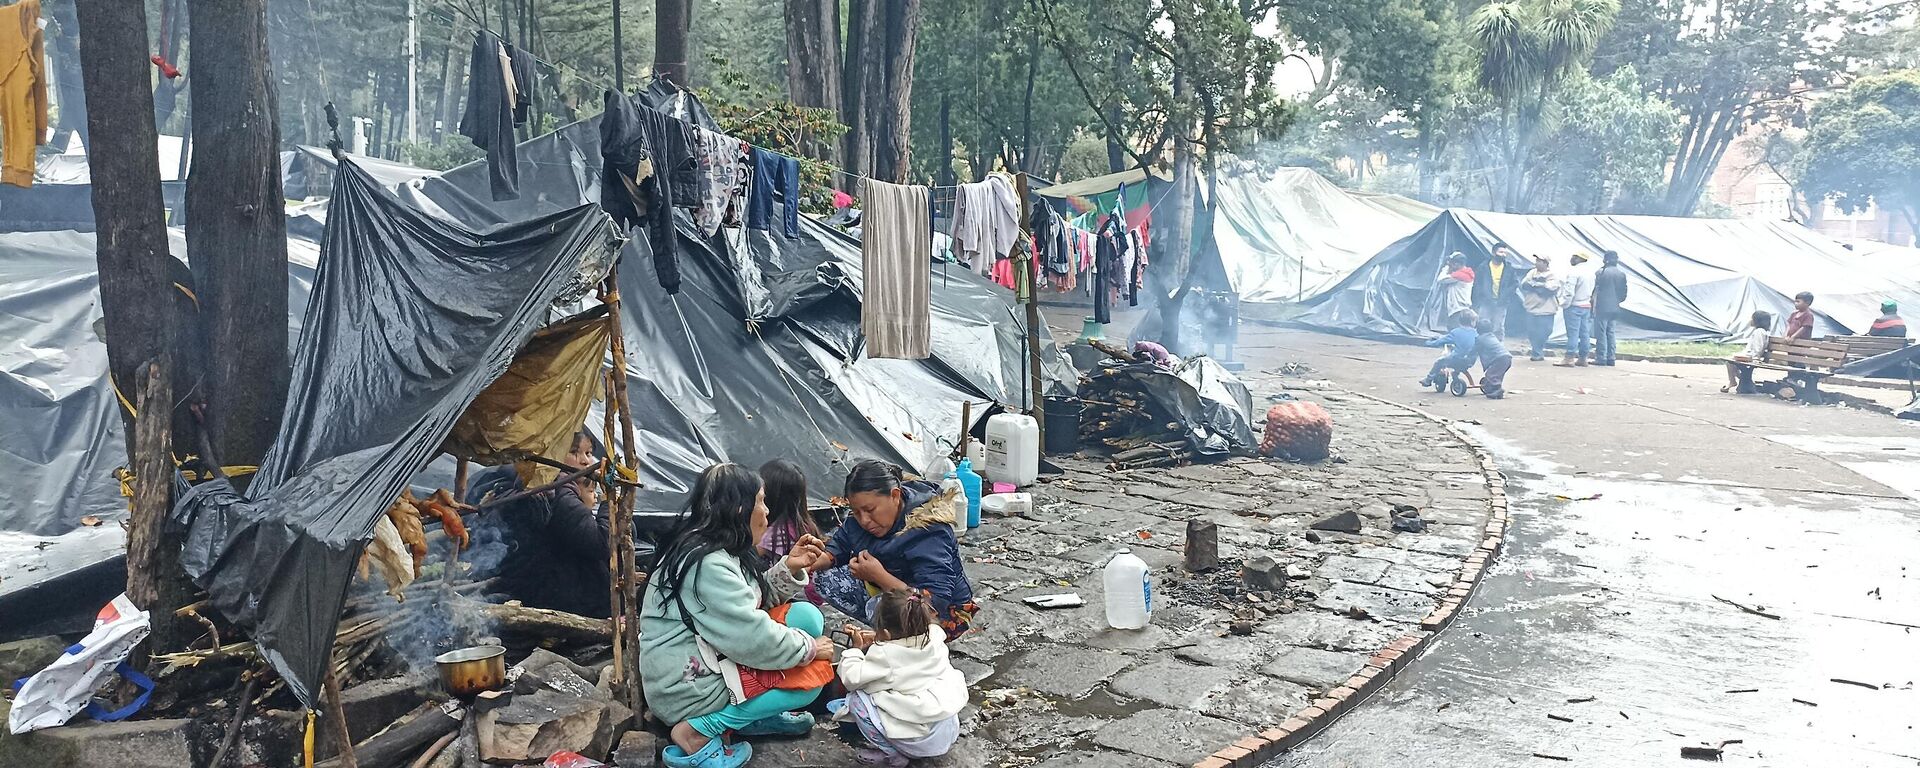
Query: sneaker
x=1426, y=382
x=1580, y=363
x=1536, y=358
x=877, y=757
x=783, y=724
x=713, y=755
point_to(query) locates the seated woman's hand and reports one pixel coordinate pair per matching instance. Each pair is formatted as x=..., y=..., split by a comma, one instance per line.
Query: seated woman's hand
x=823, y=648
x=867, y=568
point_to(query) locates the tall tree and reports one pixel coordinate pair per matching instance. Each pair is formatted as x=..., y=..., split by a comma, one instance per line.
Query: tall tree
x=237, y=243
x=1863, y=146
x=672, y=28
x=893, y=95
x=813, y=55
x=862, y=61
x=63, y=47
x=1526, y=51
x=136, y=277
x=1725, y=64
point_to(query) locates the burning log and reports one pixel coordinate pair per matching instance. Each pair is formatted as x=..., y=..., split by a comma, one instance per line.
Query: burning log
x=396, y=747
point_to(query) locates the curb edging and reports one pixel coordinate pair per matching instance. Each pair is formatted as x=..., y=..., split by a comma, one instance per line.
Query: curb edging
x=1267, y=744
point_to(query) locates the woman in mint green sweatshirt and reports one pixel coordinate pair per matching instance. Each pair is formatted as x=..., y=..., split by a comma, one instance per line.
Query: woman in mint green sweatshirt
x=704, y=616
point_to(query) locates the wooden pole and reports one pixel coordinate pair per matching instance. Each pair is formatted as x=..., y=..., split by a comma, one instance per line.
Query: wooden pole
x=1036, y=398
x=966, y=429
x=626, y=581
x=337, y=716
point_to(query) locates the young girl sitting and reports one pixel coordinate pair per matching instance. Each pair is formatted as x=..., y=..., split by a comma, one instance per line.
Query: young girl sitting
x=902, y=693
x=787, y=517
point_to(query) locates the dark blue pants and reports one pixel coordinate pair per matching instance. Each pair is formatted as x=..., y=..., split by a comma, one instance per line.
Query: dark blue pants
x=774, y=171
x=1539, y=329
x=1603, y=338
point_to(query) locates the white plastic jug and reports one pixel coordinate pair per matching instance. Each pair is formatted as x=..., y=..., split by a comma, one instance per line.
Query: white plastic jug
x=1013, y=449
x=1129, y=588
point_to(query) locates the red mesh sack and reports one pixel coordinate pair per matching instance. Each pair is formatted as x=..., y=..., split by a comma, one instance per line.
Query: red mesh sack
x=1297, y=430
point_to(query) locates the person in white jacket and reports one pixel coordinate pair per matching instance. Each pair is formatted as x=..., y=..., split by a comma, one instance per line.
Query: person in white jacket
x=903, y=693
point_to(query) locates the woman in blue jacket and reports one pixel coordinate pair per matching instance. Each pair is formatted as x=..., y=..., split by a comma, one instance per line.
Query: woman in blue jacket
x=895, y=540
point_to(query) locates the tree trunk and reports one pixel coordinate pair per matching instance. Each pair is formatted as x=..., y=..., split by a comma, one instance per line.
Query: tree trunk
x=893, y=133
x=451, y=78
x=136, y=271
x=946, y=141
x=63, y=40
x=1026, y=111
x=862, y=36
x=166, y=93
x=813, y=60
x=1117, y=153
x=672, y=25
x=237, y=245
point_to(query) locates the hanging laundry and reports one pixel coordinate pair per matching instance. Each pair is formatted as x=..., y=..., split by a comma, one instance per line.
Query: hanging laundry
x=842, y=200
x=723, y=177
x=774, y=172
x=626, y=162
x=524, y=83
x=23, y=90
x=895, y=303
x=488, y=119
x=986, y=220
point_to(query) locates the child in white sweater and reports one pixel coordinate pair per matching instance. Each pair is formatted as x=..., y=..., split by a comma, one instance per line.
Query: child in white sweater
x=902, y=692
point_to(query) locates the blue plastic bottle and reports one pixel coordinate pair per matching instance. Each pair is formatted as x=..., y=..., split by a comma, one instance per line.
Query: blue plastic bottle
x=970, y=482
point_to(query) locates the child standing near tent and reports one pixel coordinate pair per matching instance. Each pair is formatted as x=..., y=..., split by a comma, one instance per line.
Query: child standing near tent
x=903, y=693
x=1495, y=361
x=1459, y=341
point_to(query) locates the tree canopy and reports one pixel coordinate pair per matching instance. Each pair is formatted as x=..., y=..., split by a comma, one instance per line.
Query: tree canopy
x=1863, y=146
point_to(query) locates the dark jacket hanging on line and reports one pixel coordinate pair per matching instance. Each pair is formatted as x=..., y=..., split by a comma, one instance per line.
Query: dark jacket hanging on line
x=495, y=105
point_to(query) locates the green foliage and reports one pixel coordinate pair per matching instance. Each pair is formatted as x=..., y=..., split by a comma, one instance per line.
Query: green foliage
x=1085, y=156
x=760, y=114
x=973, y=57
x=1725, y=64
x=1605, y=146
x=1863, y=145
x=451, y=152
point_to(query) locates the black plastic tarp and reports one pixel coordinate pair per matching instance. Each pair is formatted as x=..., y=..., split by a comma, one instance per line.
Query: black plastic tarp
x=758, y=357
x=411, y=317
x=1697, y=278
x=1214, y=408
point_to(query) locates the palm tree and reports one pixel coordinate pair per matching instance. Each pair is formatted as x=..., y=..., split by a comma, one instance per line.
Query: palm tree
x=1526, y=49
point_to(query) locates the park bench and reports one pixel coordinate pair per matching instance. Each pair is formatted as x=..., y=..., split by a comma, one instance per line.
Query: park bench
x=1863, y=347
x=1806, y=362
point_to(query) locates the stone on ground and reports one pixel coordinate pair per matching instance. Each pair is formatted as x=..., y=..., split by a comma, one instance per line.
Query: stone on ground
x=1344, y=522
x=1173, y=735
x=1314, y=668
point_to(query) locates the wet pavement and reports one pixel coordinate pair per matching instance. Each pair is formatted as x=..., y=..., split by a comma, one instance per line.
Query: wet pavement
x=1643, y=501
x=1057, y=688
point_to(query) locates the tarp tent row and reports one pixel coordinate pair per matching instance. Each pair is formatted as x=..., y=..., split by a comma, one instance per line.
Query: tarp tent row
x=1694, y=278
x=1290, y=234
x=758, y=357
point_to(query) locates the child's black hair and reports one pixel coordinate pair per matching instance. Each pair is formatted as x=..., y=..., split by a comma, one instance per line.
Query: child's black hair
x=902, y=614
x=1484, y=326
x=1762, y=319
x=786, y=488
x=1465, y=318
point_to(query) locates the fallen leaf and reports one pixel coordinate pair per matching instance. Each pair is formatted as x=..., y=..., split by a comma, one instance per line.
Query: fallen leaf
x=90, y=521
x=842, y=447
x=1144, y=535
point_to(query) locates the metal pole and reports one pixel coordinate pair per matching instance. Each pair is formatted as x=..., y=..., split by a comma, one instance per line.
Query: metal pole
x=619, y=52
x=413, y=71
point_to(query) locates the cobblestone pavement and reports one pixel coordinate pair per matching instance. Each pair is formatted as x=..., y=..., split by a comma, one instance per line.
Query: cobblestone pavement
x=1057, y=688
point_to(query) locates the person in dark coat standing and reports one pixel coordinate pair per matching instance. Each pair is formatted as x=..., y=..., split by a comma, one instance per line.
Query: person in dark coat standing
x=1609, y=291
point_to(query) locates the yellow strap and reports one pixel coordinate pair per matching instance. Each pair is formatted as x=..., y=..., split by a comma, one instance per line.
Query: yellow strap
x=308, y=741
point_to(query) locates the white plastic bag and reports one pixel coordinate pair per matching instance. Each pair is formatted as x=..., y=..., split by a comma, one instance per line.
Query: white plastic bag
x=55, y=694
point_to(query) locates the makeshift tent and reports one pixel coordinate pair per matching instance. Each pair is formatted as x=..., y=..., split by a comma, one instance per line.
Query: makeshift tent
x=1135, y=190
x=411, y=318
x=1698, y=278
x=1291, y=234
x=756, y=358
x=759, y=355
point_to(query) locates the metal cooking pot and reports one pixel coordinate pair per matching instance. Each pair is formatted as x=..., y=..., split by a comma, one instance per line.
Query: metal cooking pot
x=470, y=671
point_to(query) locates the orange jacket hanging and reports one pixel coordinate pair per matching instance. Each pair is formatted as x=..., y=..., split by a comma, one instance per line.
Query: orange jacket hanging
x=23, y=90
